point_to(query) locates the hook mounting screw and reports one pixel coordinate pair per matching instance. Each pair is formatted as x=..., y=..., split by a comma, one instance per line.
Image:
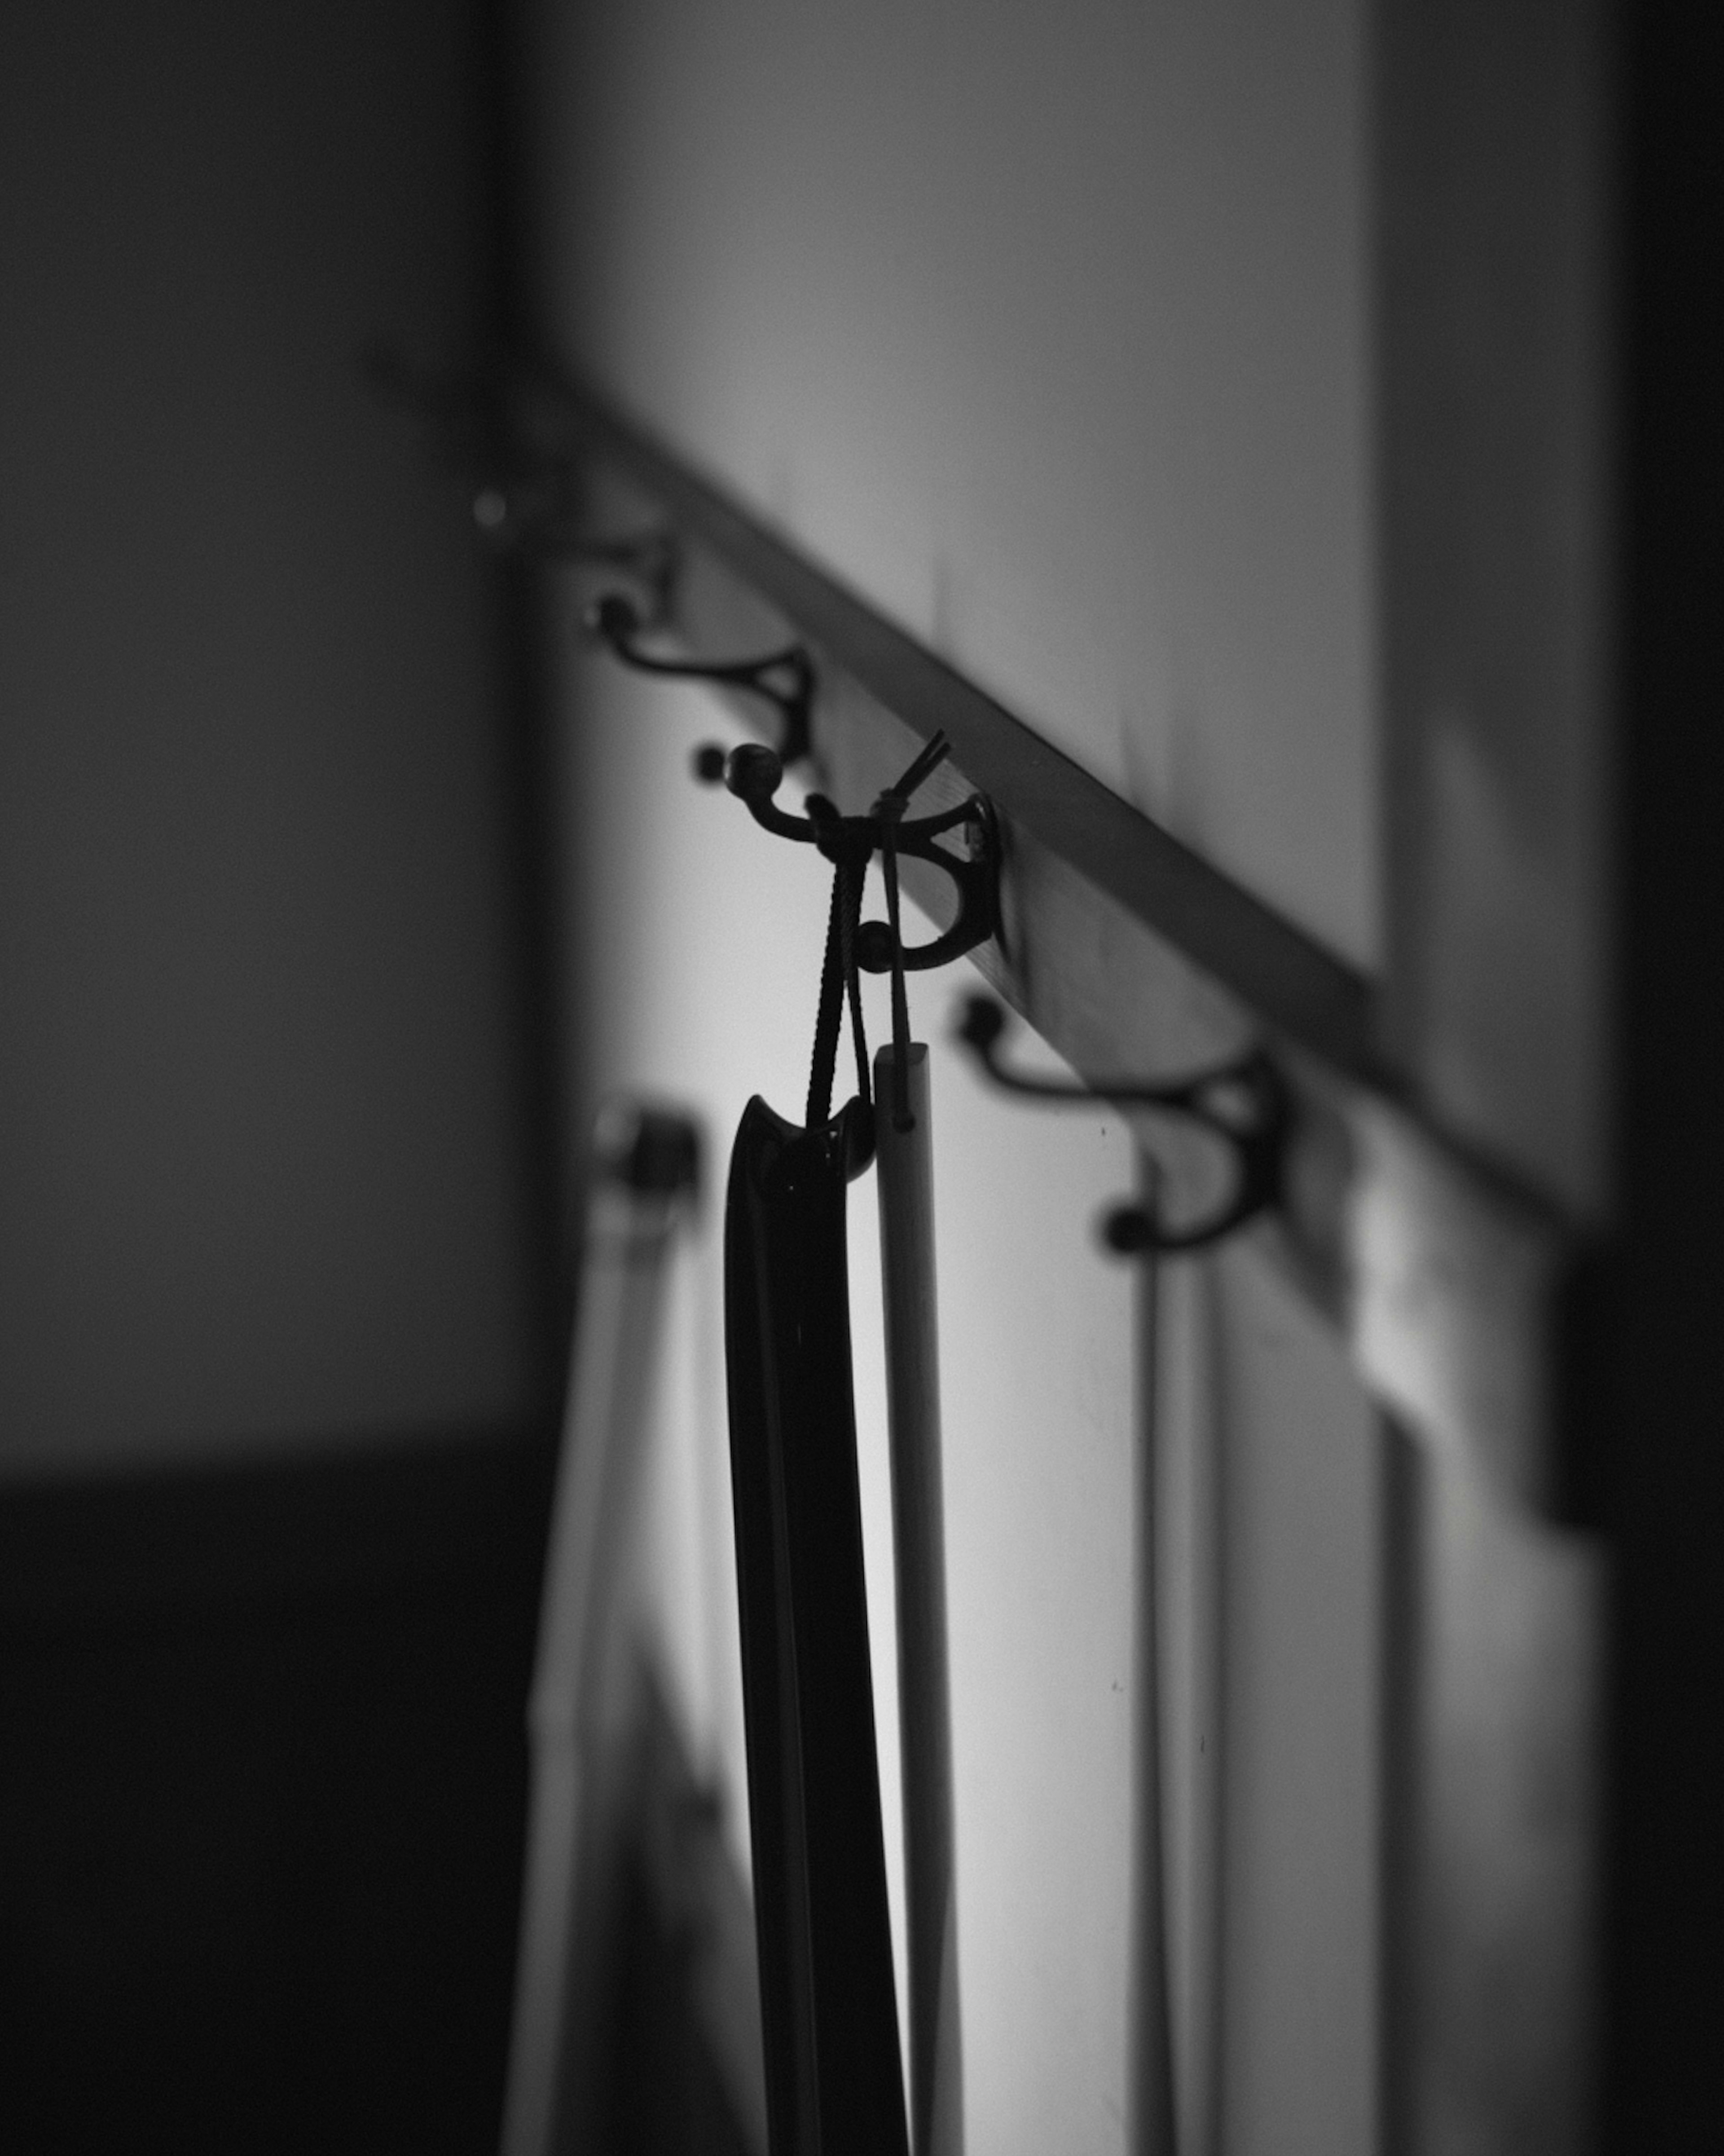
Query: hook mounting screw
x=1243, y=1103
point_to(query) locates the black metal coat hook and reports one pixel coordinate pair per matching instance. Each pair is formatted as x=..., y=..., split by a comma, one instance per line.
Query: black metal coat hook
x=1243, y=1103
x=539, y=514
x=753, y=774
x=783, y=679
x=525, y=501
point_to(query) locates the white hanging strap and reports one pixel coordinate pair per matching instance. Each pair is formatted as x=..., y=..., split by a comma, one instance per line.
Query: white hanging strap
x=645, y=1170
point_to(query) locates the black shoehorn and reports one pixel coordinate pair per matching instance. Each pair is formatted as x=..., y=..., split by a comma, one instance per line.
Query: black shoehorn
x=835, y=2083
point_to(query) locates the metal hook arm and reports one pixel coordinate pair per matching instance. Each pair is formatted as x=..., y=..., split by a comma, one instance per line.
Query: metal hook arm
x=1243, y=1103
x=753, y=774
x=783, y=679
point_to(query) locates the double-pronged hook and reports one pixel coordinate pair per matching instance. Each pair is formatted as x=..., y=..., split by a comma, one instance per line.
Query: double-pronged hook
x=1244, y=1104
x=784, y=678
x=753, y=774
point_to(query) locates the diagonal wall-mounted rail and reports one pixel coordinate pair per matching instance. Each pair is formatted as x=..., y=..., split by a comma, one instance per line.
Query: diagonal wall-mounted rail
x=1129, y=953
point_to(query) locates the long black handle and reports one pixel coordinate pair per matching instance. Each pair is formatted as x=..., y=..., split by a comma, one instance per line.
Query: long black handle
x=834, y=2081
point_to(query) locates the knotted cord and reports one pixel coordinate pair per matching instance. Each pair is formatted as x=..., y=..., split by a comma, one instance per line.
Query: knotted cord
x=839, y=980
x=849, y=842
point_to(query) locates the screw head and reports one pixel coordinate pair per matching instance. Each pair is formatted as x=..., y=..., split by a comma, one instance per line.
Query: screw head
x=873, y=947
x=753, y=772
x=1127, y=1229
x=708, y=764
x=981, y=1022
x=614, y=616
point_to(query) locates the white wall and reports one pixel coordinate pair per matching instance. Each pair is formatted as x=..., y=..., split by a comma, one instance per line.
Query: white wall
x=1045, y=327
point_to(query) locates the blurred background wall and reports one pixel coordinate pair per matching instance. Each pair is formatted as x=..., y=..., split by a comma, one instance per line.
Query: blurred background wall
x=275, y=1337
x=260, y=1125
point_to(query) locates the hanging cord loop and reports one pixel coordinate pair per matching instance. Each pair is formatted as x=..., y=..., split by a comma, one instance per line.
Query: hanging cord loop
x=849, y=843
x=839, y=979
x=754, y=772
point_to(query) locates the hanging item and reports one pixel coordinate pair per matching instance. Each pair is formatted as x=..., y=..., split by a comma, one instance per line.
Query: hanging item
x=835, y=2083
x=828, y=2006
x=644, y=1171
x=904, y=1140
x=831, y=2028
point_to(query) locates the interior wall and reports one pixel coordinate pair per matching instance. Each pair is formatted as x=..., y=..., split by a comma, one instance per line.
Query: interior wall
x=1045, y=329
x=1048, y=329
x=261, y=1147
x=1498, y=171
